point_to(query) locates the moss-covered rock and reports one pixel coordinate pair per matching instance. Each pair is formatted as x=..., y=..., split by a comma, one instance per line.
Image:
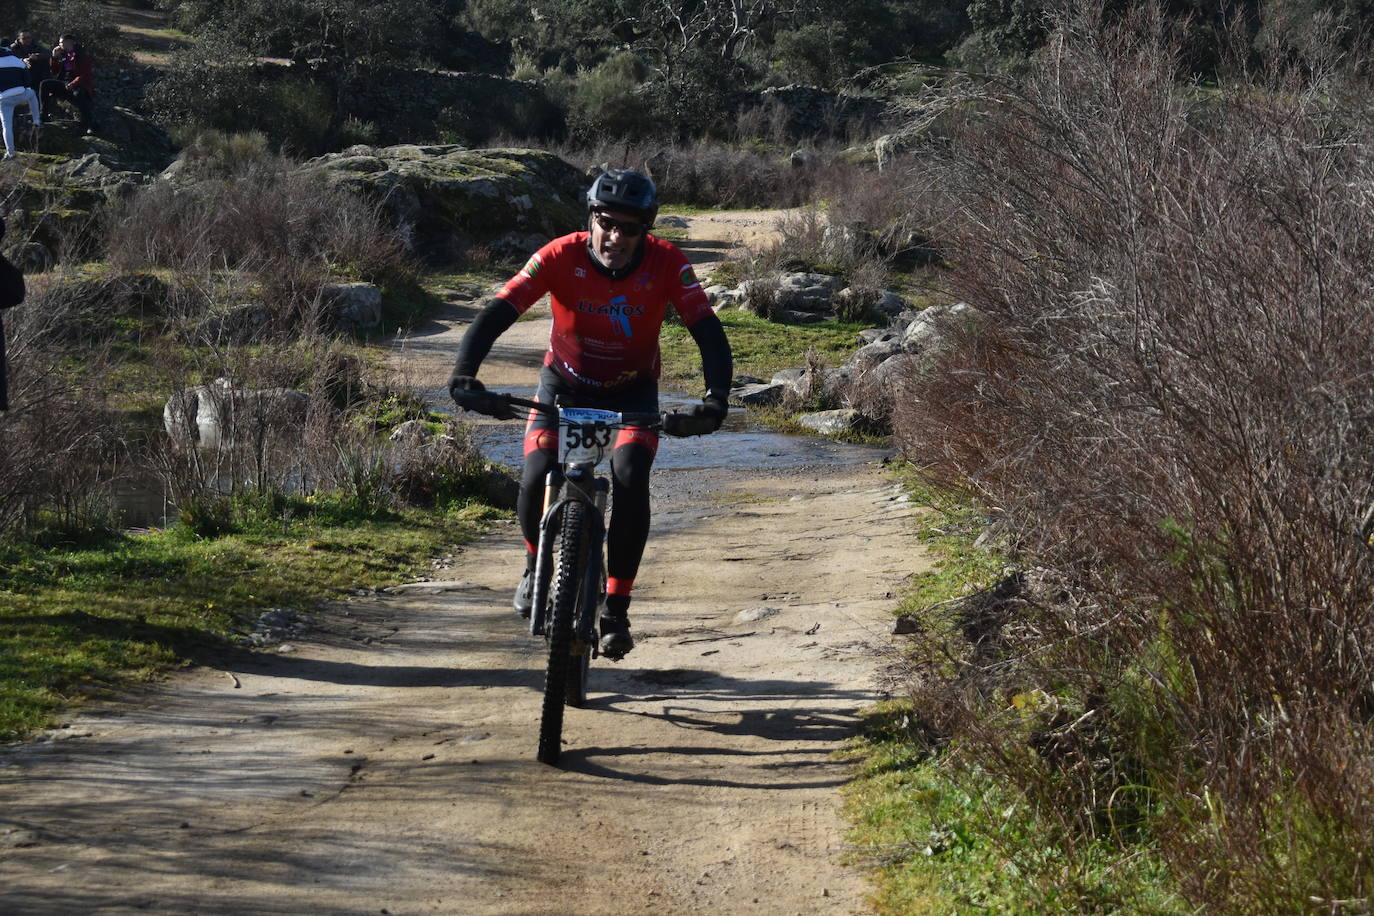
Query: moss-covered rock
x=58, y=197
x=445, y=198
x=127, y=142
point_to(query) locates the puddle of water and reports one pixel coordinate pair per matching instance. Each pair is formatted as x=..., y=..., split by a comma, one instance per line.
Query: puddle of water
x=141, y=501
x=740, y=444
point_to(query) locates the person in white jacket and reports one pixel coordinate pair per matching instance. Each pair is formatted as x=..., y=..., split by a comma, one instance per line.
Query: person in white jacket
x=15, y=90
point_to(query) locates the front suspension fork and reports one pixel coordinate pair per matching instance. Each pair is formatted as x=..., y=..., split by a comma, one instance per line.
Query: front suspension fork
x=549, y=526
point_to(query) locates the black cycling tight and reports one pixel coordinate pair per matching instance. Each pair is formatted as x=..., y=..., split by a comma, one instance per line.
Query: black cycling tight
x=629, y=526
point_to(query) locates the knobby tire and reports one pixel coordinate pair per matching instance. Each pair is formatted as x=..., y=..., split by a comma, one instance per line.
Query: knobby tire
x=572, y=564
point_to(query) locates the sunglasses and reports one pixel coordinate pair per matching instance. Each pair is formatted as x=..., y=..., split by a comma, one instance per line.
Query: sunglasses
x=628, y=230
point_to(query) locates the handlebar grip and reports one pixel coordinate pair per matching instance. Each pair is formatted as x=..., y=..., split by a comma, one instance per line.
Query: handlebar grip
x=486, y=402
x=686, y=424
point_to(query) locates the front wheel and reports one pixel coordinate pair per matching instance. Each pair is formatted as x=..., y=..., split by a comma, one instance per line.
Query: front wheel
x=572, y=564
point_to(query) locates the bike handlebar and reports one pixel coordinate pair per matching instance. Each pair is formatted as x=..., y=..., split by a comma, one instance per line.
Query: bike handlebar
x=500, y=405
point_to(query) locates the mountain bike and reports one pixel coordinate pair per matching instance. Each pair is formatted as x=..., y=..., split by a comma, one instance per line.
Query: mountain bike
x=569, y=592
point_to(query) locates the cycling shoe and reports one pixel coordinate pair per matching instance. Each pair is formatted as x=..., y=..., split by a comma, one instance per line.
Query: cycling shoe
x=616, y=641
x=524, y=595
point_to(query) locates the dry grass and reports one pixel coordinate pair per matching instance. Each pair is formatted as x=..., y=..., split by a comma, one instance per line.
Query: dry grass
x=1170, y=401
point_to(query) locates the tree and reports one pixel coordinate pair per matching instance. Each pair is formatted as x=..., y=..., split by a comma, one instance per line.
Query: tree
x=344, y=35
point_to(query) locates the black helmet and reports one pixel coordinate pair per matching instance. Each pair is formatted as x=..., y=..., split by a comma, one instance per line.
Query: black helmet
x=625, y=189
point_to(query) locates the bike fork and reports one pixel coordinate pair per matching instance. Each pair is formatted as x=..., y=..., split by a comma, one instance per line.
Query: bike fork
x=543, y=561
x=596, y=566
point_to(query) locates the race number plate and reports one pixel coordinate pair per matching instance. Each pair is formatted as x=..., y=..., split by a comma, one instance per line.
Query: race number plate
x=586, y=433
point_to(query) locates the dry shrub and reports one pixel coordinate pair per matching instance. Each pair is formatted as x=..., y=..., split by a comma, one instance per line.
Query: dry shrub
x=1171, y=401
x=808, y=243
x=285, y=233
x=304, y=417
x=58, y=440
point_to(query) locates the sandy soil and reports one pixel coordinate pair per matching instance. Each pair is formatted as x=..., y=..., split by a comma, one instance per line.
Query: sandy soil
x=384, y=763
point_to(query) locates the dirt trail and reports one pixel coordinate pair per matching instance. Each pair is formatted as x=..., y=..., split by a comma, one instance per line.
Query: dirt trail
x=385, y=763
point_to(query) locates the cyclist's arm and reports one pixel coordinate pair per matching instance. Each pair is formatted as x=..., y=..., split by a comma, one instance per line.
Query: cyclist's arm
x=717, y=363
x=491, y=323
x=695, y=310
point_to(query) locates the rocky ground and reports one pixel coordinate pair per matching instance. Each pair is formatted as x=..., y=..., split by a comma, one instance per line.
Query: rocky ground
x=383, y=762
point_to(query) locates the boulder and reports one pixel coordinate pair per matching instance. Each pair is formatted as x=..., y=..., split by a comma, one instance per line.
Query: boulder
x=762, y=395
x=887, y=374
x=928, y=334
x=924, y=334
x=877, y=352
x=873, y=335
x=215, y=414
x=832, y=422
x=891, y=304
x=446, y=197
x=127, y=143
x=411, y=432
x=808, y=292
x=724, y=297
x=352, y=306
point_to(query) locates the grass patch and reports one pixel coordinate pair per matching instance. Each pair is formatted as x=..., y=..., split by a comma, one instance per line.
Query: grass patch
x=743, y=499
x=78, y=619
x=947, y=530
x=945, y=841
x=760, y=347
x=671, y=233
x=942, y=837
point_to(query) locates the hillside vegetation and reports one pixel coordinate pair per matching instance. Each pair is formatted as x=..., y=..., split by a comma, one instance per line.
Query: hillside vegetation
x=1147, y=689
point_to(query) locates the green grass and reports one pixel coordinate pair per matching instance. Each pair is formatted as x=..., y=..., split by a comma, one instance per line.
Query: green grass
x=943, y=838
x=76, y=619
x=760, y=347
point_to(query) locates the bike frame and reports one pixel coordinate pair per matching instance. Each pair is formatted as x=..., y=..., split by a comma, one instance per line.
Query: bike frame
x=575, y=479
x=574, y=522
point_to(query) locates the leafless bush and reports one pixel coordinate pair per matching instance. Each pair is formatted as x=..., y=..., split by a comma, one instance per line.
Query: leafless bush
x=815, y=390
x=58, y=439
x=1172, y=401
x=283, y=232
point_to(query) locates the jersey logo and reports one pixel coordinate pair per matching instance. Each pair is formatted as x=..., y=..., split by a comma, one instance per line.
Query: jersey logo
x=644, y=283
x=580, y=273
x=533, y=266
x=620, y=316
x=688, y=276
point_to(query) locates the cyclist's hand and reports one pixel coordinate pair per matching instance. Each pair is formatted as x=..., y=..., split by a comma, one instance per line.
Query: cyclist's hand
x=712, y=409
x=704, y=418
x=470, y=394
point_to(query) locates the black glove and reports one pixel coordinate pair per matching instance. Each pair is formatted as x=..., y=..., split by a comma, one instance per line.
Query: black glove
x=471, y=394
x=704, y=418
x=460, y=382
x=713, y=409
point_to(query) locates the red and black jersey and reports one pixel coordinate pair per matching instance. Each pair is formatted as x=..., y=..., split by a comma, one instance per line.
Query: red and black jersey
x=605, y=330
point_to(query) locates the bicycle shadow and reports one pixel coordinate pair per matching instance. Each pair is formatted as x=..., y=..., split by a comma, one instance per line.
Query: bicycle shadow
x=785, y=729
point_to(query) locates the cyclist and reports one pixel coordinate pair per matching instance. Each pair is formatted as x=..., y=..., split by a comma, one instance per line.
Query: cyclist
x=610, y=287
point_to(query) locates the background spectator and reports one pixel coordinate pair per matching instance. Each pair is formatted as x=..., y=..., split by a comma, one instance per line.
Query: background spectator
x=26, y=48
x=14, y=91
x=72, y=80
